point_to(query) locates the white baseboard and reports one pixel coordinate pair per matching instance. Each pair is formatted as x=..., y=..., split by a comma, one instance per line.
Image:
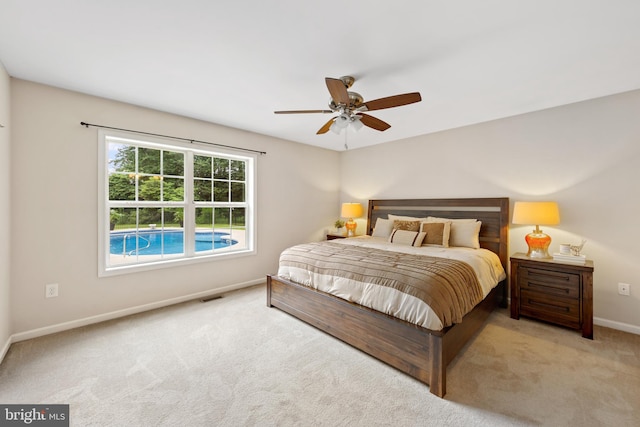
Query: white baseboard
x=5, y=349
x=625, y=327
x=22, y=336
x=34, y=333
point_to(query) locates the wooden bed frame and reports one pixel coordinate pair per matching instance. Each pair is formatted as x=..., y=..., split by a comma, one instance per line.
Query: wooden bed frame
x=422, y=353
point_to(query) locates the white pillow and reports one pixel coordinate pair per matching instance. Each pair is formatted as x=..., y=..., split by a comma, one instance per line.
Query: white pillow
x=465, y=232
x=382, y=228
x=404, y=237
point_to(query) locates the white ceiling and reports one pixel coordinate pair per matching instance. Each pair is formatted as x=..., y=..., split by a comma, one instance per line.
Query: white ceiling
x=235, y=62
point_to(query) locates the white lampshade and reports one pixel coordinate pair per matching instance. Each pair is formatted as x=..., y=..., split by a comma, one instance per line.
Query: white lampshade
x=356, y=124
x=345, y=121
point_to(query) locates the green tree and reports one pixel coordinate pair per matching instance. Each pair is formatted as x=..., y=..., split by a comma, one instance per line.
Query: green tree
x=149, y=172
x=150, y=188
x=201, y=166
x=121, y=187
x=125, y=158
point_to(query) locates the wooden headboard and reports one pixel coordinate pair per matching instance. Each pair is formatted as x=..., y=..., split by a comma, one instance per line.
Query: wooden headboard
x=493, y=212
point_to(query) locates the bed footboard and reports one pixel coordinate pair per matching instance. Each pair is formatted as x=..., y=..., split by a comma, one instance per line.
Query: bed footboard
x=421, y=353
x=414, y=350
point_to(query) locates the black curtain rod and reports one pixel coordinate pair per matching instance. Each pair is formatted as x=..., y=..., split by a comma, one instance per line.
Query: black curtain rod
x=174, y=137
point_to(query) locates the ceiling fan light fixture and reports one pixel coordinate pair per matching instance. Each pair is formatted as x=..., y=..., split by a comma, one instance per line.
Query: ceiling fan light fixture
x=356, y=124
x=342, y=122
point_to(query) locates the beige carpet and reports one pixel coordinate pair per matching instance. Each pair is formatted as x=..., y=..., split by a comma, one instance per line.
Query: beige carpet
x=235, y=362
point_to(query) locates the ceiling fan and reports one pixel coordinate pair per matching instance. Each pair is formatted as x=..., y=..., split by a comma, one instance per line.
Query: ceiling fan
x=350, y=106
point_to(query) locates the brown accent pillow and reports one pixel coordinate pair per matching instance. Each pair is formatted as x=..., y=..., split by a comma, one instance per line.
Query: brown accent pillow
x=406, y=225
x=436, y=233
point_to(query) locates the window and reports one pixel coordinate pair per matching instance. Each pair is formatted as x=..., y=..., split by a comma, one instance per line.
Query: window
x=161, y=204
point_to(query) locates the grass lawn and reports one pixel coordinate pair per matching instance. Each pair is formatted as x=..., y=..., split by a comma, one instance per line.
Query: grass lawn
x=176, y=225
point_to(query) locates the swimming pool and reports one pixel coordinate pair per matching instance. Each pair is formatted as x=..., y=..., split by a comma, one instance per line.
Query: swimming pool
x=158, y=242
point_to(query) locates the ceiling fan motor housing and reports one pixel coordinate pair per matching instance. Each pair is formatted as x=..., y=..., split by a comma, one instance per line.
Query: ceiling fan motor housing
x=348, y=81
x=355, y=101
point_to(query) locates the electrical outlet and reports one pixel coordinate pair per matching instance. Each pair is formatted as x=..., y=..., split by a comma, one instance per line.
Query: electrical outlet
x=623, y=289
x=51, y=290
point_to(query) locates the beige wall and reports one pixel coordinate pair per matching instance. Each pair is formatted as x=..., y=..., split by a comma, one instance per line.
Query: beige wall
x=54, y=208
x=5, y=221
x=585, y=156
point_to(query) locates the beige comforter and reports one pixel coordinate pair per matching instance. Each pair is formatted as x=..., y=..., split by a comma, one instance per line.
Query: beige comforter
x=437, y=292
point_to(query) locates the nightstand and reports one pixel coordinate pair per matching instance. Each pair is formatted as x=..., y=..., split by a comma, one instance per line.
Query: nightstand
x=335, y=236
x=552, y=291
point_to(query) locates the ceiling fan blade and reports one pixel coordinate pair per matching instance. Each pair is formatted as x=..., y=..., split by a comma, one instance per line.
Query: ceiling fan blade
x=302, y=111
x=393, y=101
x=373, y=122
x=325, y=128
x=338, y=90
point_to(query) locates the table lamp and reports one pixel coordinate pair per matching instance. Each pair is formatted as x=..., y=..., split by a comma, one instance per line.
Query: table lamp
x=351, y=210
x=536, y=213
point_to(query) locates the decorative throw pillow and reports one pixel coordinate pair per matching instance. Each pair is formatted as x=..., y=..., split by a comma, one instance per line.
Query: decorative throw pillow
x=436, y=233
x=406, y=225
x=382, y=228
x=404, y=237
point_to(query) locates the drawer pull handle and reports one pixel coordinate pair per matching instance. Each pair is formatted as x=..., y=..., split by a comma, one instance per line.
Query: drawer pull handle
x=565, y=277
x=553, y=306
x=547, y=287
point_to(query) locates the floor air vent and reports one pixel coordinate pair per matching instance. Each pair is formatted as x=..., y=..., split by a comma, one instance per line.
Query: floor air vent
x=207, y=299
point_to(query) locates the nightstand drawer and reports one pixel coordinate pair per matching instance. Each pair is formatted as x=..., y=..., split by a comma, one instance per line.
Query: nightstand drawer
x=549, y=282
x=563, y=311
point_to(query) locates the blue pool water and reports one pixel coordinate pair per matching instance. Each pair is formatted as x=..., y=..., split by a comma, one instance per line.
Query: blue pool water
x=157, y=242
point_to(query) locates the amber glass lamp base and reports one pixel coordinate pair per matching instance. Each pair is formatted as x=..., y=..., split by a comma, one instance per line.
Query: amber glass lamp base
x=538, y=244
x=351, y=227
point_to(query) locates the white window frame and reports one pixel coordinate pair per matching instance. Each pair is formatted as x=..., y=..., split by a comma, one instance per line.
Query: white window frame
x=104, y=269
